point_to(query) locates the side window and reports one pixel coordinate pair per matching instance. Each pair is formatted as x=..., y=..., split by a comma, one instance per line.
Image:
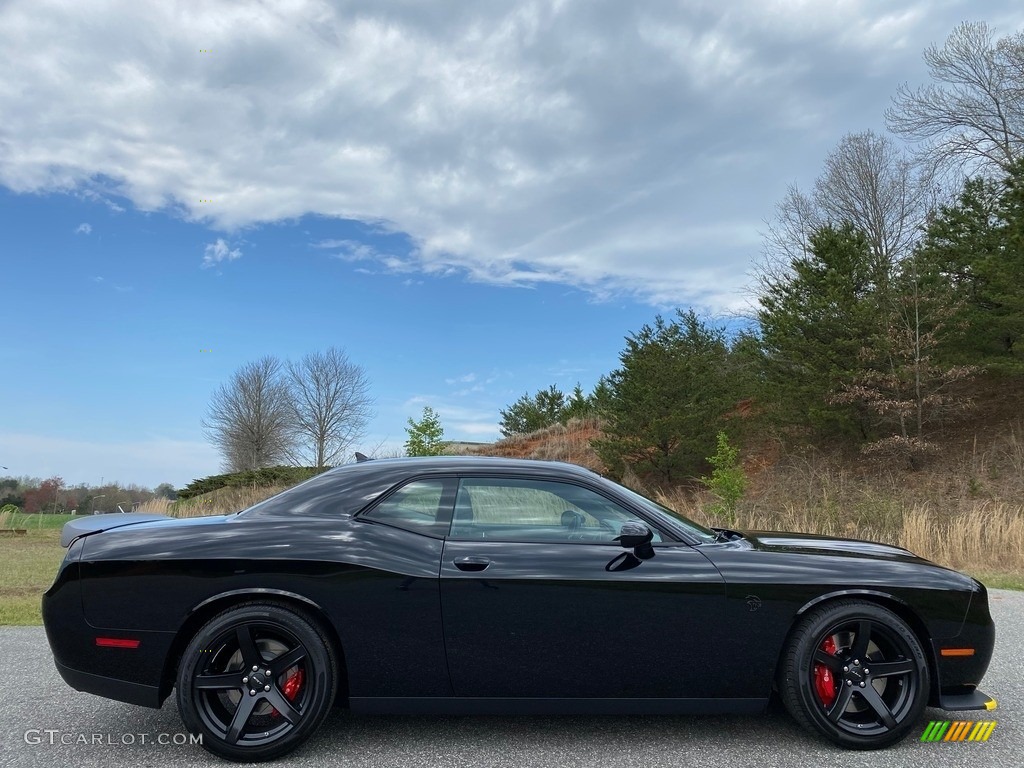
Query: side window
x=415, y=507
x=508, y=509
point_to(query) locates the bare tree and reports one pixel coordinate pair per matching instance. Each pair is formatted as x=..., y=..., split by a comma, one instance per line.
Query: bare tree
x=250, y=418
x=870, y=182
x=904, y=386
x=797, y=215
x=331, y=404
x=973, y=111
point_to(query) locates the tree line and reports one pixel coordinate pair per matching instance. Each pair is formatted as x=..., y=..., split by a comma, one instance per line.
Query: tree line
x=880, y=293
x=53, y=496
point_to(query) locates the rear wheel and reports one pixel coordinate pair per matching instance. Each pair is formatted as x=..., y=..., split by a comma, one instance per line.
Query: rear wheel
x=256, y=681
x=855, y=673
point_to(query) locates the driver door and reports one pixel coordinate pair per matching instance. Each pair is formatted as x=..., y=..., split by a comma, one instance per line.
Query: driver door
x=536, y=601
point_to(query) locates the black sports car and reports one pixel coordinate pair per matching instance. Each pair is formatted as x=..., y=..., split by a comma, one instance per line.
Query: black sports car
x=473, y=585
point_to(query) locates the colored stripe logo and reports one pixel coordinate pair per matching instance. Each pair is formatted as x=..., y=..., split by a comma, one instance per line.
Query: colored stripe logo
x=958, y=730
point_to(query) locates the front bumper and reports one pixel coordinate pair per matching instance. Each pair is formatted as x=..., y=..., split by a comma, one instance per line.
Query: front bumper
x=959, y=702
x=961, y=661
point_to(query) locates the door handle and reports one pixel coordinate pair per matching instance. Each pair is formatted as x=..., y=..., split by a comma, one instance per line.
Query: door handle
x=472, y=563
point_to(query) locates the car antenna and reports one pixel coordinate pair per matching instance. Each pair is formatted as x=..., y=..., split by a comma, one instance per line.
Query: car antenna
x=361, y=457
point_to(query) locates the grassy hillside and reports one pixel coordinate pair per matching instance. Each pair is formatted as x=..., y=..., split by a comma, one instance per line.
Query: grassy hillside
x=964, y=509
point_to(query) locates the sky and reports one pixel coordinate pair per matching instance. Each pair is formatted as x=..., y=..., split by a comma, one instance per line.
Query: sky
x=473, y=200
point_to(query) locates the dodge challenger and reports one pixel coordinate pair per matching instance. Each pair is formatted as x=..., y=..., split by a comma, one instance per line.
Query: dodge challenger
x=479, y=585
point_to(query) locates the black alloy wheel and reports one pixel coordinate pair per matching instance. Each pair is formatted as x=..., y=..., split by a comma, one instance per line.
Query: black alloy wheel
x=256, y=681
x=855, y=673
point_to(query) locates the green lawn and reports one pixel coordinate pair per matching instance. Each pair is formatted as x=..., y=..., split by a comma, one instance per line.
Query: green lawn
x=998, y=580
x=28, y=565
x=37, y=522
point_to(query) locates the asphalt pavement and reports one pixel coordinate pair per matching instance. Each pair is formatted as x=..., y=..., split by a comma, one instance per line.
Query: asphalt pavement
x=45, y=723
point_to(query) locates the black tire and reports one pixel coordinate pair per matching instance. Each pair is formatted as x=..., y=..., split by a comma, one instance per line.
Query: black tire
x=267, y=715
x=878, y=671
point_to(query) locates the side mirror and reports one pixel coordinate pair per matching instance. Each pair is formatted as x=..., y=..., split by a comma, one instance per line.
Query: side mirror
x=636, y=536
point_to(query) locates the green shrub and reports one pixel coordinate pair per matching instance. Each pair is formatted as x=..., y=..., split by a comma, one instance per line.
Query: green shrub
x=728, y=481
x=265, y=476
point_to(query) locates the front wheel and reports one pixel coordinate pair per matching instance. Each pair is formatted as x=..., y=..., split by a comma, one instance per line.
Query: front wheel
x=256, y=681
x=855, y=673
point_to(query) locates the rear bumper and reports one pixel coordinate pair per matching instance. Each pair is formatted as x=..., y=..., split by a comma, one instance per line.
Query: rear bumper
x=111, y=688
x=133, y=675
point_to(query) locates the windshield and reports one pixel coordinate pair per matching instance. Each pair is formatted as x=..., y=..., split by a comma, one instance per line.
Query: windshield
x=695, y=529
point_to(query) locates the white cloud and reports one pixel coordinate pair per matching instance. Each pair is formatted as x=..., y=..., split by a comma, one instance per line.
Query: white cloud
x=83, y=229
x=90, y=194
x=460, y=422
x=478, y=429
x=615, y=147
x=349, y=250
x=219, y=251
x=115, y=286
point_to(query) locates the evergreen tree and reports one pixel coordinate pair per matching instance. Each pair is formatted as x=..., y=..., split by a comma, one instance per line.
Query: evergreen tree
x=666, y=402
x=426, y=436
x=528, y=414
x=976, y=246
x=577, y=406
x=545, y=408
x=815, y=319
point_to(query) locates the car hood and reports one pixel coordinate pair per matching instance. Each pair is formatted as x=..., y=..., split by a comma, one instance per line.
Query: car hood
x=814, y=544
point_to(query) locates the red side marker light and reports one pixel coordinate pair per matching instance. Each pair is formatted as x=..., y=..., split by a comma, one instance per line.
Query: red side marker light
x=116, y=642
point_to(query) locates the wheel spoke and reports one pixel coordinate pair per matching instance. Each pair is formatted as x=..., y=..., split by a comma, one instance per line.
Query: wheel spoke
x=881, y=708
x=245, y=707
x=282, y=705
x=287, y=660
x=860, y=641
x=830, y=661
x=889, y=668
x=216, y=682
x=839, y=705
x=247, y=645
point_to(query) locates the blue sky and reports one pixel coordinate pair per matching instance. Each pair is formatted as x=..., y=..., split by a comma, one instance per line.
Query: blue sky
x=128, y=323
x=474, y=202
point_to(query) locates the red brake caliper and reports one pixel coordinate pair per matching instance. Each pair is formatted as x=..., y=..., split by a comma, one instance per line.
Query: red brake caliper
x=824, y=682
x=291, y=688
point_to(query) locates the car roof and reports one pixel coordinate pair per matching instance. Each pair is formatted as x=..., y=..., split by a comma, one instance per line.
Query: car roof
x=346, y=489
x=462, y=463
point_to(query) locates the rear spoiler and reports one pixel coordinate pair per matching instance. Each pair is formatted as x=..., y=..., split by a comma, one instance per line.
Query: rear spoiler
x=99, y=523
